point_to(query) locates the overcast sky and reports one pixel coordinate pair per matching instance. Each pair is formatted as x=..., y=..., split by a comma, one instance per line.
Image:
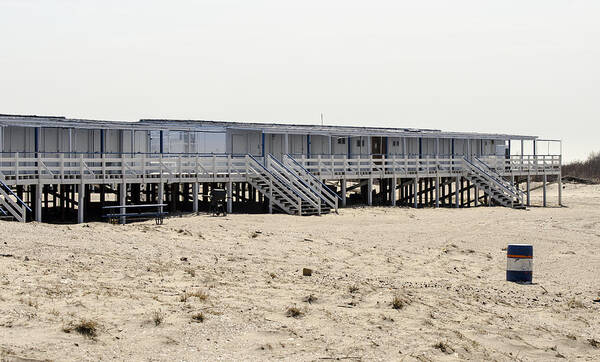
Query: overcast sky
x=522, y=67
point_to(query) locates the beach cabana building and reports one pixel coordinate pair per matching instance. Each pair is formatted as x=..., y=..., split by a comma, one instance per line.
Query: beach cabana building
x=57, y=168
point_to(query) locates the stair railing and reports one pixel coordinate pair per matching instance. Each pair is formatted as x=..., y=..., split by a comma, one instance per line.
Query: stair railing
x=295, y=182
x=490, y=178
x=17, y=208
x=498, y=178
x=272, y=180
x=329, y=196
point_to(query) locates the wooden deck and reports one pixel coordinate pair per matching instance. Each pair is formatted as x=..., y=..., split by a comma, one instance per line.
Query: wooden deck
x=156, y=168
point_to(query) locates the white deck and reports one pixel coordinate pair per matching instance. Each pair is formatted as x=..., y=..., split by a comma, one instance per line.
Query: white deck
x=168, y=168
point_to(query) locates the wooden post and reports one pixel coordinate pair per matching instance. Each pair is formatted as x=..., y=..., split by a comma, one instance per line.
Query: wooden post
x=457, y=191
x=270, y=196
x=528, y=190
x=38, y=202
x=393, y=190
x=343, y=181
x=229, y=198
x=437, y=191
x=544, y=190
x=80, y=202
x=161, y=196
x=195, y=197
x=476, y=196
x=122, y=200
x=370, y=192
x=415, y=193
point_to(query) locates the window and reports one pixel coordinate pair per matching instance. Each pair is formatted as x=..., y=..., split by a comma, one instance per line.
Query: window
x=360, y=143
x=341, y=140
x=395, y=143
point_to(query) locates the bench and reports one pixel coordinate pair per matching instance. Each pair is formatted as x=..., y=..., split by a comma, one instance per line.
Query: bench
x=137, y=213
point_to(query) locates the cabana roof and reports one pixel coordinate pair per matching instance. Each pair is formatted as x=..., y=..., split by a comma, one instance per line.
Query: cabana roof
x=223, y=126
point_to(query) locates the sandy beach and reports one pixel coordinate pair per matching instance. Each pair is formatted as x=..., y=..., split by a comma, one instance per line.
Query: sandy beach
x=386, y=284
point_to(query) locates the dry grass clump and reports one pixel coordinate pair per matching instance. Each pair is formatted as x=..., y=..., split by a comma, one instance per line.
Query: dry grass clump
x=575, y=303
x=202, y=296
x=191, y=272
x=85, y=327
x=198, y=317
x=294, y=312
x=399, y=302
x=310, y=299
x=353, y=288
x=158, y=317
x=444, y=347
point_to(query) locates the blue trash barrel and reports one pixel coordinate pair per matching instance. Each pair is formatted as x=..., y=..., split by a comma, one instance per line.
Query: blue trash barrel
x=519, y=264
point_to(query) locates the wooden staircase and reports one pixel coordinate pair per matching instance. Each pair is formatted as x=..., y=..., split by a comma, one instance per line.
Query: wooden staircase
x=11, y=206
x=493, y=184
x=283, y=188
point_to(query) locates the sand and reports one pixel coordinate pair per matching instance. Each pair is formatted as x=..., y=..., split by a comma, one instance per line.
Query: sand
x=141, y=286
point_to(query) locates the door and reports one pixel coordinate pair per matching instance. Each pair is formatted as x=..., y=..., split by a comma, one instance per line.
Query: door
x=239, y=144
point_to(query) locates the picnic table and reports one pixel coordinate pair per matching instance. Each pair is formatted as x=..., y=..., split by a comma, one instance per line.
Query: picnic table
x=143, y=211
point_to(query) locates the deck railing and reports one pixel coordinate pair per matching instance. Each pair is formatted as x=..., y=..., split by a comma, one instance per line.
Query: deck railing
x=90, y=167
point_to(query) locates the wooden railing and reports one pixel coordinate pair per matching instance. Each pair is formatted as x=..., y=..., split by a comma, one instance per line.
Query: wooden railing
x=524, y=164
x=91, y=167
x=107, y=167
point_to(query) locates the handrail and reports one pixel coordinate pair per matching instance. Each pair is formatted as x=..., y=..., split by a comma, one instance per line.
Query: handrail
x=313, y=176
x=295, y=176
x=21, y=202
x=491, y=178
x=279, y=180
x=518, y=193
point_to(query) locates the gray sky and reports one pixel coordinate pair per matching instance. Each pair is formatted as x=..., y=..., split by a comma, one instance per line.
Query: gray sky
x=524, y=67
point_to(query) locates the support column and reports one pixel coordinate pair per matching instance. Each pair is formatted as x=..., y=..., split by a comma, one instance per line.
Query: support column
x=370, y=192
x=122, y=201
x=437, y=192
x=415, y=193
x=476, y=196
x=38, y=202
x=343, y=182
x=80, y=202
x=457, y=191
x=393, y=190
x=229, y=198
x=195, y=197
x=528, y=190
x=544, y=191
x=161, y=195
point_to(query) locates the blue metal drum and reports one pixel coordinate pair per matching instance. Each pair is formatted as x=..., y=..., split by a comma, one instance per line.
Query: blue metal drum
x=519, y=265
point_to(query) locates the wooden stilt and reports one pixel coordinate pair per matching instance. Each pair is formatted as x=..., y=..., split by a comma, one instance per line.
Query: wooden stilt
x=123, y=201
x=415, y=192
x=81, y=203
x=544, y=190
x=528, y=190
x=457, y=192
x=38, y=202
x=343, y=182
x=394, y=182
x=437, y=191
x=229, y=197
x=195, y=197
